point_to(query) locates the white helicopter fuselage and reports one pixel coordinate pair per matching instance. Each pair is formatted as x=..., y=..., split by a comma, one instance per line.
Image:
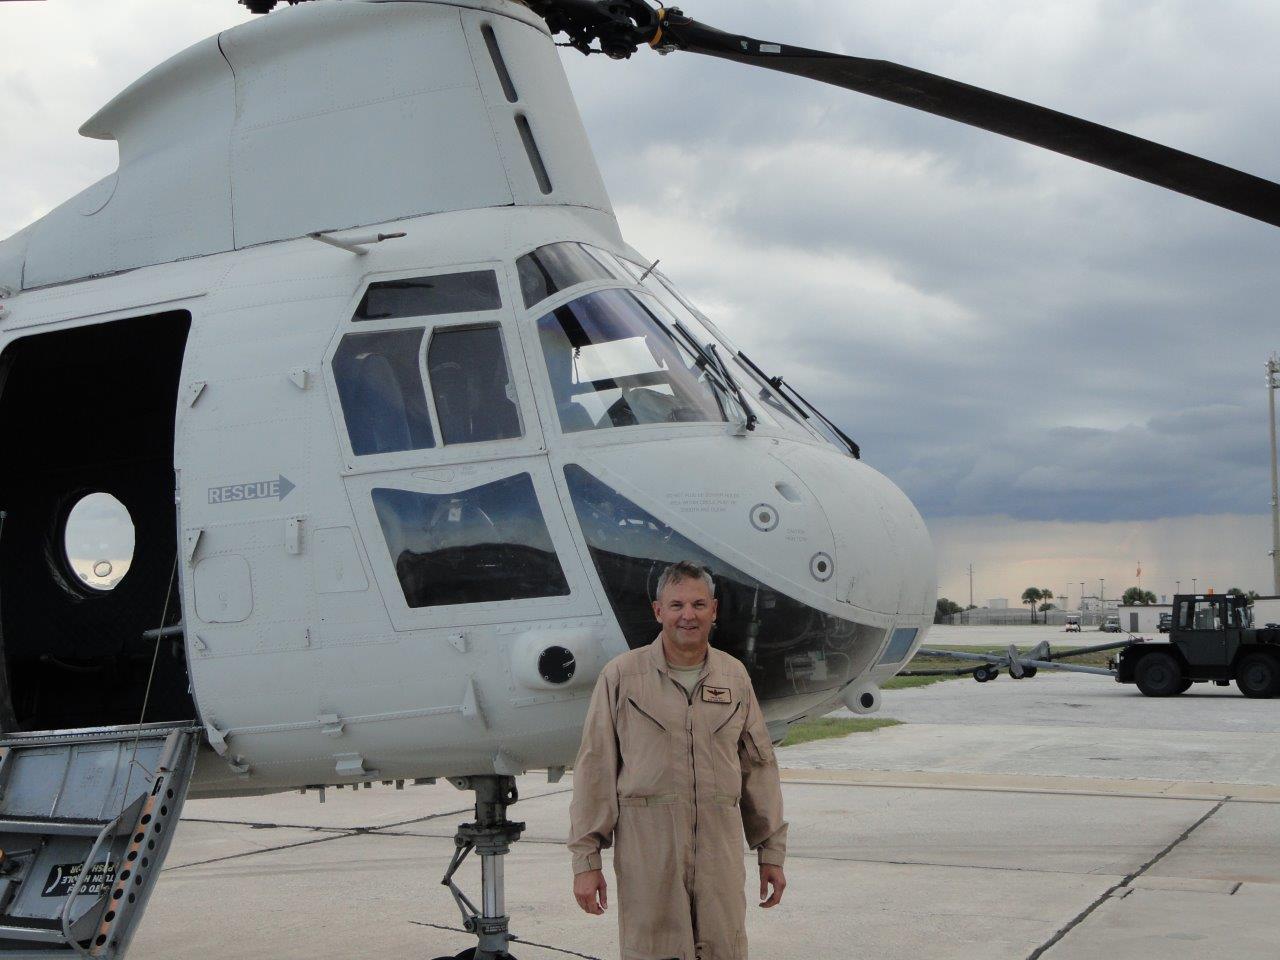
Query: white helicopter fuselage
x=380, y=577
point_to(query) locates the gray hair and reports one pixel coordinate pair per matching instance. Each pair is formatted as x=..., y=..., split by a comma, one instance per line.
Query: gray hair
x=685, y=570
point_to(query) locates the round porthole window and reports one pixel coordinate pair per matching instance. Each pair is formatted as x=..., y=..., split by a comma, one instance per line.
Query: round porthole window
x=98, y=539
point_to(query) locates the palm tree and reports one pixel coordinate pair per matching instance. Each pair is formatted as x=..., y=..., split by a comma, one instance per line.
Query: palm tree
x=1031, y=596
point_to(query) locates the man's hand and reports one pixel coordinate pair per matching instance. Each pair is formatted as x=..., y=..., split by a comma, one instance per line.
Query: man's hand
x=770, y=876
x=592, y=893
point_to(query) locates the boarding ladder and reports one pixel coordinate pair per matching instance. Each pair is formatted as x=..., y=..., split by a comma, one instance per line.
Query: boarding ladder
x=86, y=817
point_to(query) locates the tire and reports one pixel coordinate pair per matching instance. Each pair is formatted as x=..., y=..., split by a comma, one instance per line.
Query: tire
x=1258, y=675
x=982, y=675
x=1184, y=686
x=1159, y=674
x=1029, y=672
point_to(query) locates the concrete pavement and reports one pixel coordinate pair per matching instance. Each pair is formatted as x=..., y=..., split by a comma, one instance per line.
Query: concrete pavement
x=949, y=837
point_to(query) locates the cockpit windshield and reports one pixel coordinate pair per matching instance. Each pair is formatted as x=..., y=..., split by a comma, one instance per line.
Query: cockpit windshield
x=559, y=266
x=740, y=388
x=786, y=408
x=613, y=364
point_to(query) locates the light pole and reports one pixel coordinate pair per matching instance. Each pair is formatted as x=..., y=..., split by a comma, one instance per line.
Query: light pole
x=1273, y=382
x=1193, y=584
x=1102, y=598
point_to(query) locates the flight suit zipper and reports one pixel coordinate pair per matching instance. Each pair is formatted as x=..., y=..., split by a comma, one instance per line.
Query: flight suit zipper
x=693, y=761
x=693, y=766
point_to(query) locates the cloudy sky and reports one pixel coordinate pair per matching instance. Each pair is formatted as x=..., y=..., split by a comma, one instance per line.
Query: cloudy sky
x=1063, y=368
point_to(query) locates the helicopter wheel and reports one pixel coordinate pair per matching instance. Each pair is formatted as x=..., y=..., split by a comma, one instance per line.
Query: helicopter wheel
x=470, y=953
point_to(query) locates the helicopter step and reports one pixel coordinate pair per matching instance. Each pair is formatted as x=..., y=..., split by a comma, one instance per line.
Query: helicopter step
x=86, y=817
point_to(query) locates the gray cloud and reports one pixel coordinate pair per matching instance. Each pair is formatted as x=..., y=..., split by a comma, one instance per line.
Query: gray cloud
x=1006, y=331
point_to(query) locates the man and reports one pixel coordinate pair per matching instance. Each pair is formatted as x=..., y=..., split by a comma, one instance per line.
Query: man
x=675, y=766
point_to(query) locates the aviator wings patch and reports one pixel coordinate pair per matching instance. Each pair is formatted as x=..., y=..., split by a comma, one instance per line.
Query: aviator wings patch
x=717, y=695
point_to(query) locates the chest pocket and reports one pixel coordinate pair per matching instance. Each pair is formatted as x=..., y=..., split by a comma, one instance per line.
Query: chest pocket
x=729, y=727
x=645, y=744
x=726, y=729
x=639, y=716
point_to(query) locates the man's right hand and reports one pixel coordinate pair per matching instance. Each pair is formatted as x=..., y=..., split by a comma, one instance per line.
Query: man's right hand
x=591, y=892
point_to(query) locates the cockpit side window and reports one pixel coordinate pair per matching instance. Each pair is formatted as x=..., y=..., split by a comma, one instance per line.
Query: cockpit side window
x=556, y=267
x=484, y=545
x=433, y=296
x=611, y=363
x=475, y=399
x=381, y=392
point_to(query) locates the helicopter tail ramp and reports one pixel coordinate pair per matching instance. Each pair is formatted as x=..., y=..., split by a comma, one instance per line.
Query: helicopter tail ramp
x=86, y=817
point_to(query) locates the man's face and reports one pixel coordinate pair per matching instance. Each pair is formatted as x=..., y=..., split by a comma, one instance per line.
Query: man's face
x=686, y=611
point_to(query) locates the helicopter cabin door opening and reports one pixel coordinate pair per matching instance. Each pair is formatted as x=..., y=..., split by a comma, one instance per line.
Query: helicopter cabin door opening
x=89, y=533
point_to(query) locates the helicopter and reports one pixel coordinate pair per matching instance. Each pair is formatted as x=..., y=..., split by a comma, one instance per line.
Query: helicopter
x=402, y=454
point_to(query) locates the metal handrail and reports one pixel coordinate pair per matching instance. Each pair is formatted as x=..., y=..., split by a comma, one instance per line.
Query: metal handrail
x=86, y=872
x=128, y=810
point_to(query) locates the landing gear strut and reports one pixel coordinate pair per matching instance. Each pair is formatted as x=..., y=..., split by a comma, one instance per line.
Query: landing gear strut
x=491, y=836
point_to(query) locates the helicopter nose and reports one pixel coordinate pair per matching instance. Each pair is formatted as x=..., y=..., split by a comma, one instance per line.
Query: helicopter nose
x=809, y=521
x=822, y=568
x=884, y=558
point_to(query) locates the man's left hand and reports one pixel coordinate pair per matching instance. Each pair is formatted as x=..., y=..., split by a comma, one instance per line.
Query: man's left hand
x=771, y=876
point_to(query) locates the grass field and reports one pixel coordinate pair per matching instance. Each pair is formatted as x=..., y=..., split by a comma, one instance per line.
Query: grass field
x=921, y=662
x=828, y=728
x=831, y=727
x=905, y=683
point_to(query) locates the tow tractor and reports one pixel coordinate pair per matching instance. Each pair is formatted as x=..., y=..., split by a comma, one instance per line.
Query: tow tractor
x=1212, y=639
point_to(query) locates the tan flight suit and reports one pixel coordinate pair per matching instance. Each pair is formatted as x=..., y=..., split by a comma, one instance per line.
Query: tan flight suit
x=674, y=782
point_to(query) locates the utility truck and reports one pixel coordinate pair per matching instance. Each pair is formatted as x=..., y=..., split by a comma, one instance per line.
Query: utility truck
x=1212, y=638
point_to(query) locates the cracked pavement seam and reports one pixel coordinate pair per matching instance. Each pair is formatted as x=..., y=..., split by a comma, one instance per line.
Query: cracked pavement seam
x=1106, y=894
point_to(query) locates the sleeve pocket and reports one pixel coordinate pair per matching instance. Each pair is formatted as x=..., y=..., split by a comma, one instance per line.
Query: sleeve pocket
x=758, y=747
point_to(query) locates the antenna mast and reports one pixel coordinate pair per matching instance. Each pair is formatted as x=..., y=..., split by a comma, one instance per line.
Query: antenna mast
x=1273, y=381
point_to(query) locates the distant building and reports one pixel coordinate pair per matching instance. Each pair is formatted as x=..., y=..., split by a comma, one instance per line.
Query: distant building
x=999, y=603
x=1142, y=618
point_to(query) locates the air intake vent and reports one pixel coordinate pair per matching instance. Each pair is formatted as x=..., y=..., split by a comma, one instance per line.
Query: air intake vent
x=535, y=156
x=500, y=65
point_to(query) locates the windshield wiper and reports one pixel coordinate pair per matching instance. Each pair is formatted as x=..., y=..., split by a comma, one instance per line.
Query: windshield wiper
x=752, y=419
x=718, y=375
x=767, y=397
x=792, y=396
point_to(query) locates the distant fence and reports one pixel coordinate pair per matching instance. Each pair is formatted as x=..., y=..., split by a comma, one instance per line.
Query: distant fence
x=1021, y=618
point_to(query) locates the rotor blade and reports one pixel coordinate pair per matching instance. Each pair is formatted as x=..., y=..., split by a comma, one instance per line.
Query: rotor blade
x=1040, y=126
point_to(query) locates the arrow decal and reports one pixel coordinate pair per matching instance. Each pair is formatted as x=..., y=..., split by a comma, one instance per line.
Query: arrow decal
x=276, y=489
